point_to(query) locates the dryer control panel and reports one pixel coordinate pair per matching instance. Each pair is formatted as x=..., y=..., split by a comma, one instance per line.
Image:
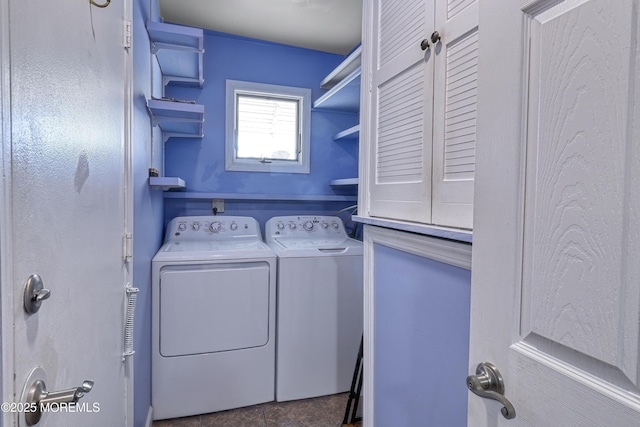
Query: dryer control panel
x=304, y=227
x=211, y=227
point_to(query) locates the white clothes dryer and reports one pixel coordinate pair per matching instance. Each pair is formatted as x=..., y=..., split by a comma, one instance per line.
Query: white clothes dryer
x=213, y=311
x=320, y=299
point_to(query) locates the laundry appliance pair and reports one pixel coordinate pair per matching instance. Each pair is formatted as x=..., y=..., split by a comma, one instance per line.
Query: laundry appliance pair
x=237, y=321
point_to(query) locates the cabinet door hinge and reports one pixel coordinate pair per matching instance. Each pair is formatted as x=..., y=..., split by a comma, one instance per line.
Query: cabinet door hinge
x=128, y=247
x=126, y=34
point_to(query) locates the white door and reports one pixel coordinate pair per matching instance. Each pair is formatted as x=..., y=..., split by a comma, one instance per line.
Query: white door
x=555, y=276
x=64, y=204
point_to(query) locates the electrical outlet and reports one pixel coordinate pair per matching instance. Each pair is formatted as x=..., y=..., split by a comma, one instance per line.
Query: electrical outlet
x=217, y=205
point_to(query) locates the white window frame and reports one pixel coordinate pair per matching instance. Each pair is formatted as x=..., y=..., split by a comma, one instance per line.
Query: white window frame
x=303, y=95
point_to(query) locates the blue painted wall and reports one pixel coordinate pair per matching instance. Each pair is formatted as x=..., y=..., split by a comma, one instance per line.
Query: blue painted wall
x=201, y=161
x=148, y=206
x=421, y=340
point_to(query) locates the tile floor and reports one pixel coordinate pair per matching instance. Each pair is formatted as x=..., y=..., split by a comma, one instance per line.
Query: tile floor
x=326, y=411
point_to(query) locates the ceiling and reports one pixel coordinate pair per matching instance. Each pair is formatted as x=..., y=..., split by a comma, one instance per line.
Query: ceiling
x=326, y=25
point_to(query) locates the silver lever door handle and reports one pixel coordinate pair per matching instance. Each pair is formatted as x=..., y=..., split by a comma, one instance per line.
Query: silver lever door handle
x=39, y=397
x=488, y=383
x=67, y=396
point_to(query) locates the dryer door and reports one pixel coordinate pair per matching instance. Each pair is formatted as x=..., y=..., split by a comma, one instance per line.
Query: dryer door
x=212, y=308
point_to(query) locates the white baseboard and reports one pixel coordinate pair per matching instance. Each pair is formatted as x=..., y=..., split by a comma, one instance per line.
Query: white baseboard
x=149, y=421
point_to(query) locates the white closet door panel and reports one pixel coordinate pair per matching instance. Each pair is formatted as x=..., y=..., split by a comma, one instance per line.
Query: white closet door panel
x=454, y=7
x=401, y=113
x=401, y=156
x=580, y=270
x=454, y=116
x=401, y=21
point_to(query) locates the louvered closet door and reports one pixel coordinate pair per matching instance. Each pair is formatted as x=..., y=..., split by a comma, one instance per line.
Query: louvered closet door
x=401, y=110
x=454, y=115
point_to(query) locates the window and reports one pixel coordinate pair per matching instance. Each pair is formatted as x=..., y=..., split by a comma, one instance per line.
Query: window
x=267, y=128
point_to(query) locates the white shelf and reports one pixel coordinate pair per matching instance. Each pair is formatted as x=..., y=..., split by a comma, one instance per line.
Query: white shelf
x=166, y=183
x=273, y=197
x=353, y=133
x=179, y=51
x=349, y=65
x=412, y=227
x=345, y=96
x=345, y=182
x=177, y=119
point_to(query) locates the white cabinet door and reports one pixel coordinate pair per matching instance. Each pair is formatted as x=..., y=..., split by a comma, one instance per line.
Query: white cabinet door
x=400, y=110
x=421, y=128
x=555, y=299
x=454, y=112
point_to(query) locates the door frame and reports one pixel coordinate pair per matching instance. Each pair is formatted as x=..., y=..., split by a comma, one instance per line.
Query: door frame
x=128, y=198
x=6, y=242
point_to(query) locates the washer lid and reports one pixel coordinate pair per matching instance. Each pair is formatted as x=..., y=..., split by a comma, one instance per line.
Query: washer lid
x=214, y=245
x=284, y=246
x=213, y=249
x=293, y=243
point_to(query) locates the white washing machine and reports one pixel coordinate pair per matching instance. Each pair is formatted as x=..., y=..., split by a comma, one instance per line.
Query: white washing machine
x=319, y=322
x=213, y=309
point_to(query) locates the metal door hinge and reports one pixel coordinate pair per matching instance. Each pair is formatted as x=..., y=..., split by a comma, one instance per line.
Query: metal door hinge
x=128, y=247
x=126, y=34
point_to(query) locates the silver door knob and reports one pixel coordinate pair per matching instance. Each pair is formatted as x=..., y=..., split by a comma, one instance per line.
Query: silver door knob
x=488, y=383
x=424, y=44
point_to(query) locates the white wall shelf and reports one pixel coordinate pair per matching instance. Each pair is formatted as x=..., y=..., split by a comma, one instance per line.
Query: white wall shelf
x=275, y=197
x=344, y=182
x=179, y=51
x=351, y=134
x=165, y=183
x=177, y=119
x=346, y=67
x=417, y=228
x=344, y=96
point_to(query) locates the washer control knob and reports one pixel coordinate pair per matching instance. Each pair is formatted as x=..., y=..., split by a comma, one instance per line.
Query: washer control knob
x=308, y=225
x=215, y=227
x=195, y=226
x=233, y=226
x=292, y=226
x=280, y=226
x=335, y=225
x=182, y=226
x=325, y=225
